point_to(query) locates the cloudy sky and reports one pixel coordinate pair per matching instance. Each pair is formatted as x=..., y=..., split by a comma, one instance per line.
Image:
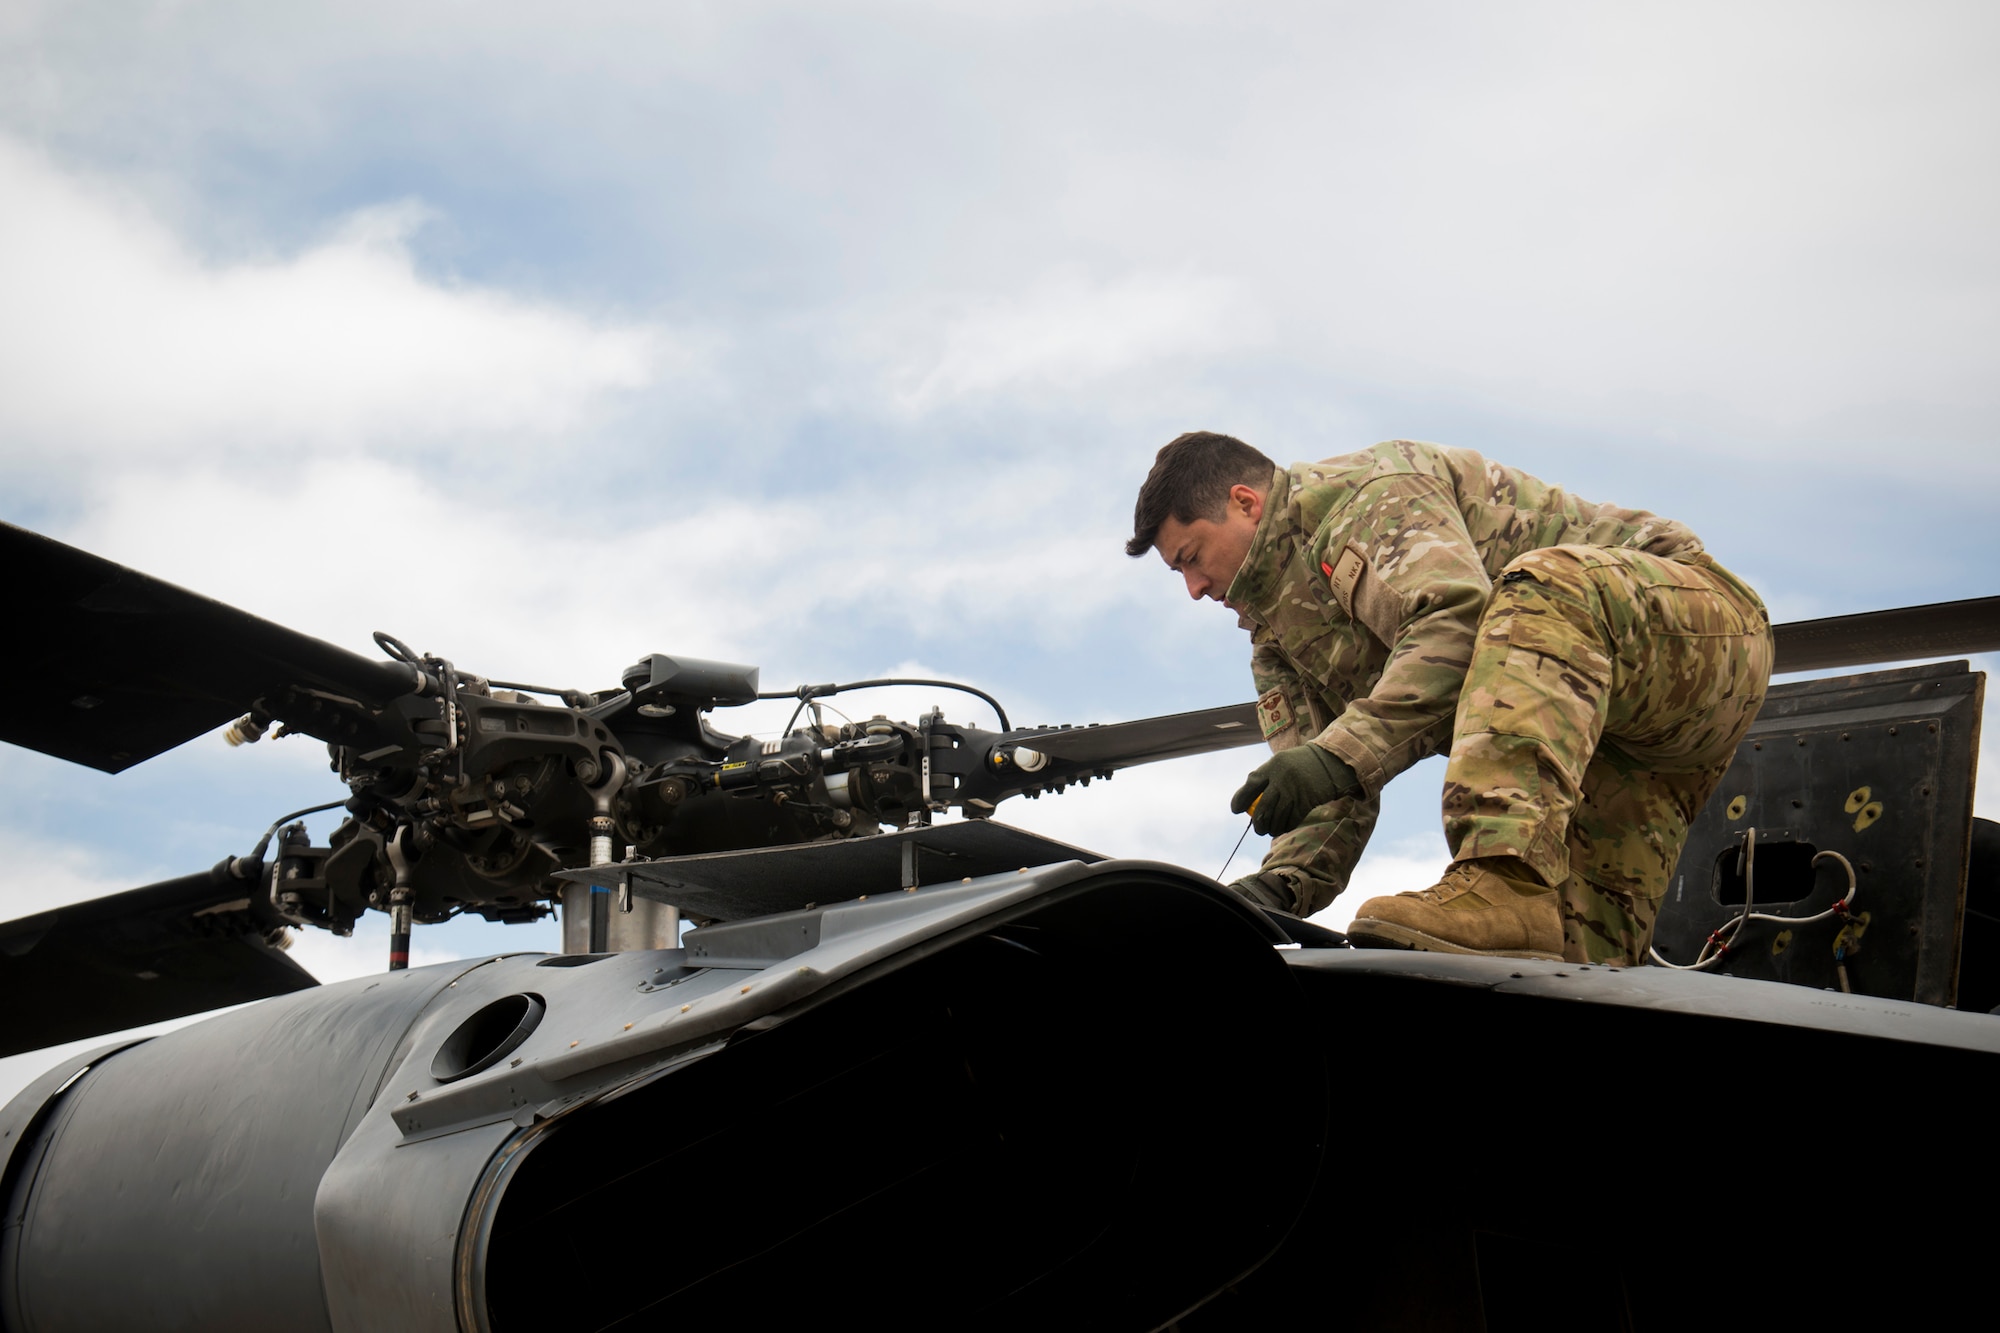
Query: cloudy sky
x=837, y=337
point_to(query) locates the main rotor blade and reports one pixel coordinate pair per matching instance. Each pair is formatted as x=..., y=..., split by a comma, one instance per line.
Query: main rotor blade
x=1122, y=744
x=110, y=666
x=1805, y=645
x=183, y=946
x=1941, y=629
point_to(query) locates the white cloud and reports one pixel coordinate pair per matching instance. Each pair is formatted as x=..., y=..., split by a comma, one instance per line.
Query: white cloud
x=906, y=222
x=116, y=340
x=1067, y=332
x=341, y=548
x=44, y=874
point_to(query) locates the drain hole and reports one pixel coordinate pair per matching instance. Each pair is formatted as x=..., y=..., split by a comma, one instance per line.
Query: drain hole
x=489, y=1034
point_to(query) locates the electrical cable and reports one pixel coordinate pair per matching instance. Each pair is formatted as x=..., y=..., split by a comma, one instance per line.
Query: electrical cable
x=396, y=648
x=805, y=693
x=264, y=843
x=1722, y=944
x=447, y=682
x=564, y=695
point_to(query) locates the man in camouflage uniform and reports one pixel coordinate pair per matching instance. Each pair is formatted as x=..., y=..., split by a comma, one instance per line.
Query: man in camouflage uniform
x=1590, y=669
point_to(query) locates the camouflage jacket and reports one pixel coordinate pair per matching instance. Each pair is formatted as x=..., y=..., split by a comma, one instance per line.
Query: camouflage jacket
x=1366, y=579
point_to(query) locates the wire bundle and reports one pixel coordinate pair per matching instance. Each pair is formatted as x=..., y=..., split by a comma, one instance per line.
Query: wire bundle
x=1723, y=938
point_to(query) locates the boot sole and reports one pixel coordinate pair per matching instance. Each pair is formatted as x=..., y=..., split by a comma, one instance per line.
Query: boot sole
x=1372, y=934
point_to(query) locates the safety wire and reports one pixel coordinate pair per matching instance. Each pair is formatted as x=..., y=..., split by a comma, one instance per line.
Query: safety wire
x=1241, y=836
x=1233, y=851
x=1723, y=938
x=819, y=721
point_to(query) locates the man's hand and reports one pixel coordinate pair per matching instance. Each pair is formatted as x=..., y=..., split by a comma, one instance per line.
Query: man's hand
x=1289, y=784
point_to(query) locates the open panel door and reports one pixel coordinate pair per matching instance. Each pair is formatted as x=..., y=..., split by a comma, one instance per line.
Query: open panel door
x=1878, y=767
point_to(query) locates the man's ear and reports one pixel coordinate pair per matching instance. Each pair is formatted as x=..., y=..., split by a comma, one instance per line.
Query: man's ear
x=1248, y=501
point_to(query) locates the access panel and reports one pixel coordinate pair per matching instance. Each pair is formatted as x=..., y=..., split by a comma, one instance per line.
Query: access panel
x=1876, y=767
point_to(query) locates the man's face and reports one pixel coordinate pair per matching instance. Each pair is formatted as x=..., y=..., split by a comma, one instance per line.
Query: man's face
x=1208, y=552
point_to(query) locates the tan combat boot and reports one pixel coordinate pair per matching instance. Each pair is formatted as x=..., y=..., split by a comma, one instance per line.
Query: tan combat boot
x=1473, y=909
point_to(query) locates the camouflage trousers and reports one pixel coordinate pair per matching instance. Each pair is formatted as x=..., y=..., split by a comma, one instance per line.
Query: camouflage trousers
x=1606, y=695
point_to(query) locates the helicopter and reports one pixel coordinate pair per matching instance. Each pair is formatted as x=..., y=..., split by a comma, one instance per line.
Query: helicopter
x=935, y=1073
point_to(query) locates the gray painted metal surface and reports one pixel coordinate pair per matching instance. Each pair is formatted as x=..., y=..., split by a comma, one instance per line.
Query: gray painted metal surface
x=299, y=1164
x=311, y=1162
x=757, y=881
x=1696, y=994
x=172, y=1184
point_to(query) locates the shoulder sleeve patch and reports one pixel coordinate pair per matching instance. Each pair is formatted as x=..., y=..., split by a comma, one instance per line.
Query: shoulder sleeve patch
x=1364, y=597
x=1342, y=575
x=1274, y=712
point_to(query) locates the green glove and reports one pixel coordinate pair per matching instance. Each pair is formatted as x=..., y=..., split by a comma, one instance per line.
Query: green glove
x=1289, y=784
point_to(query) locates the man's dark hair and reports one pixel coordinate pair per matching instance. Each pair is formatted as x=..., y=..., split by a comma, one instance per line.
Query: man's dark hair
x=1190, y=480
